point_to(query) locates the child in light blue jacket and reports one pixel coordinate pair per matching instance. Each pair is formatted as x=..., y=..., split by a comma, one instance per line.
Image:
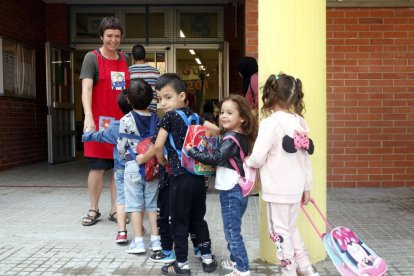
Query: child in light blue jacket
x=110, y=135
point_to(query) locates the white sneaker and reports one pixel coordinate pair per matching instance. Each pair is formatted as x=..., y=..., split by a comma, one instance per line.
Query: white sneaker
x=307, y=271
x=228, y=264
x=155, y=245
x=136, y=247
x=235, y=272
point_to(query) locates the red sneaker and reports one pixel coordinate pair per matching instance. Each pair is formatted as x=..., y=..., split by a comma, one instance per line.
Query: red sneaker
x=121, y=237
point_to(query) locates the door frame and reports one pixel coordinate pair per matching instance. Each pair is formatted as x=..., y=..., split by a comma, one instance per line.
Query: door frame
x=57, y=150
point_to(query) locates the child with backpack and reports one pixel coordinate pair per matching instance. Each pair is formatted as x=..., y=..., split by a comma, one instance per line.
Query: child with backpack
x=187, y=194
x=281, y=151
x=241, y=126
x=167, y=254
x=110, y=135
x=140, y=194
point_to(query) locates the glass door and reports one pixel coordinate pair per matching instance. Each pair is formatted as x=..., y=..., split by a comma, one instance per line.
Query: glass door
x=60, y=103
x=201, y=69
x=157, y=59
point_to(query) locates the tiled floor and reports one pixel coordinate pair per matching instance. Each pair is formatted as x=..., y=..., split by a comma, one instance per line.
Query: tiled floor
x=41, y=206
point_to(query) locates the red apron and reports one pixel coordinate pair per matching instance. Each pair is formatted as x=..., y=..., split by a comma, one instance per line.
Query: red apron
x=113, y=78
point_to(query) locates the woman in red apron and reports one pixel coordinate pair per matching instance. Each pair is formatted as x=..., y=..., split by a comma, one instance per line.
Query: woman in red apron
x=104, y=75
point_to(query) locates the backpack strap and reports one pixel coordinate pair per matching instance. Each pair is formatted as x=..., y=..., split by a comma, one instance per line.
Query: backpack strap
x=153, y=124
x=193, y=119
x=231, y=160
x=101, y=68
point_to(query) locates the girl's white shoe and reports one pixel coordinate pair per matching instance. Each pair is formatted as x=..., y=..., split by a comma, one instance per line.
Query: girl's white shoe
x=228, y=264
x=307, y=271
x=235, y=272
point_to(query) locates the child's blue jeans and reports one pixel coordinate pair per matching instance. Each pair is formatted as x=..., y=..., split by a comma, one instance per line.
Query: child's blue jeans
x=233, y=206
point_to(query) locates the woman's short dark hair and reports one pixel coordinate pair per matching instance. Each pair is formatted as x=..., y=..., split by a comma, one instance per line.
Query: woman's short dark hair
x=110, y=23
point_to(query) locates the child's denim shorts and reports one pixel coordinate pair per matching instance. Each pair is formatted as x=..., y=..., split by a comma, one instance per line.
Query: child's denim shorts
x=139, y=194
x=119, y=181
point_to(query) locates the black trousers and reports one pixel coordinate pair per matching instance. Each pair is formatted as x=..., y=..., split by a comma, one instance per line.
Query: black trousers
x=163, y=219
x=187, y=210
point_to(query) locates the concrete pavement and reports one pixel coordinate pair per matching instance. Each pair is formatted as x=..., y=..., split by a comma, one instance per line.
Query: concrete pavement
x=41, y=207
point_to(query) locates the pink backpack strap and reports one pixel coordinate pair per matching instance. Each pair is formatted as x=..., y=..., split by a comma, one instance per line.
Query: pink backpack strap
x=231, y=160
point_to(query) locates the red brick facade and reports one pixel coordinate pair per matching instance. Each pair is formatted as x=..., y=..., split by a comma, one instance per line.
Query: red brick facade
x=23, y=125
x=370, y=77
x=251, y=27
x=23, y=137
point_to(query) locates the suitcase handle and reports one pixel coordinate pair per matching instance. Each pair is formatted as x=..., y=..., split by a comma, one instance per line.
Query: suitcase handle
x=311, y=221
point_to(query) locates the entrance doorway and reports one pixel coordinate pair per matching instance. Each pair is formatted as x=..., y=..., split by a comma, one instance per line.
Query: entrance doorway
x=201, y=69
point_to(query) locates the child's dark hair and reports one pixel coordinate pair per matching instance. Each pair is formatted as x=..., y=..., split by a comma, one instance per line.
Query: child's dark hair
x=138, y=52
x=139, y=94
x=172, y=80
x=250, y=125
x=123, y=103
x=110, y=23
x=285, y=91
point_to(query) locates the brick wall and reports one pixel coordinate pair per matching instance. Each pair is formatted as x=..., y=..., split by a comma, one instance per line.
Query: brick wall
x=23, y=123
x=23, y=138
x=370, y=76
x=252, y=29
x=57, y=23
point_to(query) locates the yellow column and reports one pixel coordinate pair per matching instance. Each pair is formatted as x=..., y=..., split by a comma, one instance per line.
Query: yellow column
x=292, y=39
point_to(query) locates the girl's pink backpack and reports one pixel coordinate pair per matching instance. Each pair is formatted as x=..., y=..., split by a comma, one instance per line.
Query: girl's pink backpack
x=246, y=182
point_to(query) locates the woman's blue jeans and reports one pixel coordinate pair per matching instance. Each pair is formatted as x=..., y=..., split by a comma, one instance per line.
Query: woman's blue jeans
x=233, y=206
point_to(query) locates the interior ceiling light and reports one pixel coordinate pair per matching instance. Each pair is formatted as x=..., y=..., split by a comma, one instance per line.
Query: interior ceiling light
x=182, y=34
x=198, y=60
x=191, y=51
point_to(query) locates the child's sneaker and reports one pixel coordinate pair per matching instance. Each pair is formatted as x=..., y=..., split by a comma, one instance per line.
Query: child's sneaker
x=155, y=245
x=121, y=237
x=235, y=272
x=174, y=269
x=136, y=247
x=228, y=264
x=307, y=271
x=209, y=264
x=197, y=252
x=162, y=257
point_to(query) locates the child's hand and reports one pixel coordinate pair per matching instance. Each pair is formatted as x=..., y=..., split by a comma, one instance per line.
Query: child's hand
x=139, y=159
x=305, y=197
x=162, y=161
x=188, y=147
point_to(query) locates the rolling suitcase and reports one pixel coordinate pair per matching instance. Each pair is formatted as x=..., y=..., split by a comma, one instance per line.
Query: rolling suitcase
x=350, y=255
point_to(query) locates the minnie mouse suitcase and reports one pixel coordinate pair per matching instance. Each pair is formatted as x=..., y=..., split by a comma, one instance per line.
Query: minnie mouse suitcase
x=350, y=255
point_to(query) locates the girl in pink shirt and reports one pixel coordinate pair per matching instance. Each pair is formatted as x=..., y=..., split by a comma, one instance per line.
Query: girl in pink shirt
x=248, y=70
x=281, y=151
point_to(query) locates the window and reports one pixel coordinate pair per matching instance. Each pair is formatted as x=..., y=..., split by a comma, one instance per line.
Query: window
x=87, y=25
x=151, y=24
x=17, y=69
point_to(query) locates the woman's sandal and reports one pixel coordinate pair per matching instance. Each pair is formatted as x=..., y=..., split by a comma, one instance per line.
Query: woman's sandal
x=89, y=220
x=113, y=218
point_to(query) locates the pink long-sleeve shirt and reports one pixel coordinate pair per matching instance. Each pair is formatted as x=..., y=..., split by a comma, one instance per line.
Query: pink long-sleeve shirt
x=284, y=176
x=252, y=94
